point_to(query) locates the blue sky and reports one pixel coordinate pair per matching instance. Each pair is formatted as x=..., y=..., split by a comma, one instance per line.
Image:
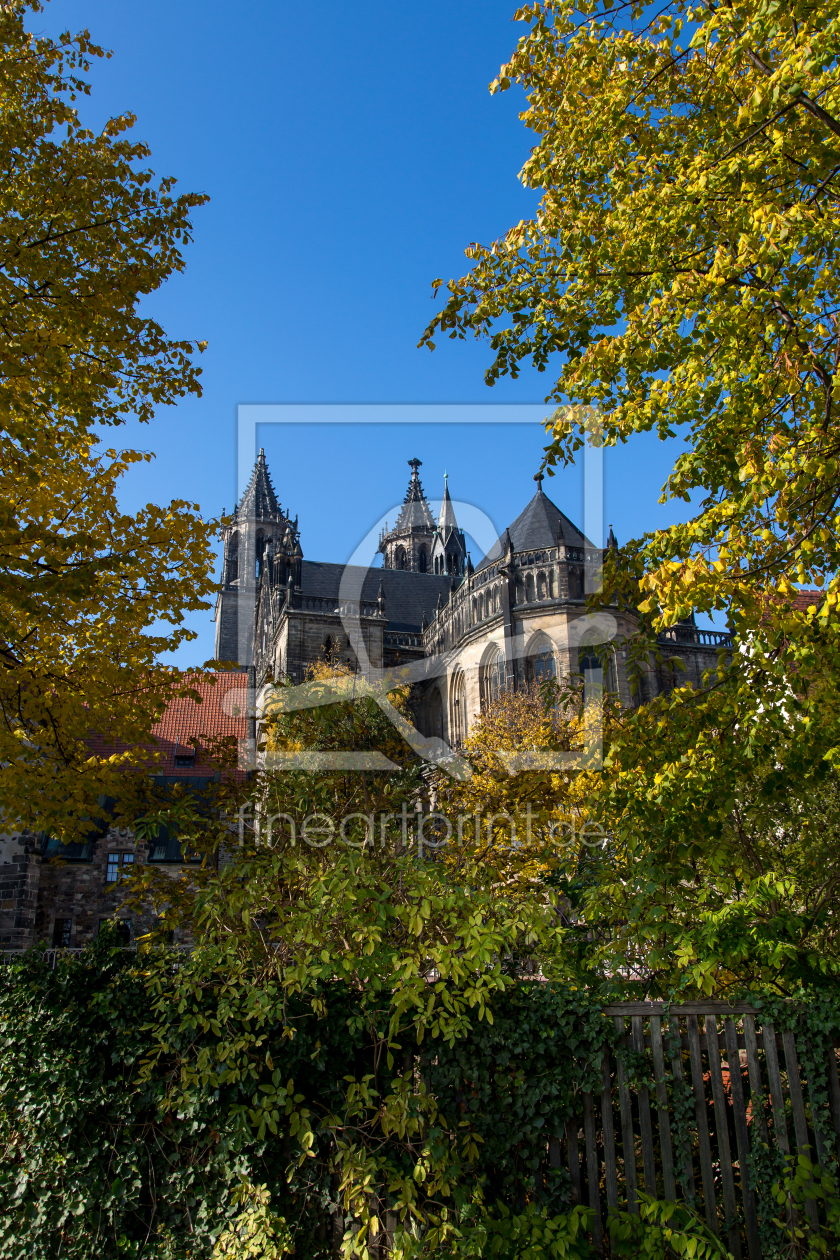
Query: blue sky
x=351, y=153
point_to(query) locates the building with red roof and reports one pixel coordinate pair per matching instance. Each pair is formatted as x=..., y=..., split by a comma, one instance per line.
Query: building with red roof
x=61, y=894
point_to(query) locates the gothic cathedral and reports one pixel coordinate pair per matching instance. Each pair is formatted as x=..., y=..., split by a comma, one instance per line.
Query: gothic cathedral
x=460, y=632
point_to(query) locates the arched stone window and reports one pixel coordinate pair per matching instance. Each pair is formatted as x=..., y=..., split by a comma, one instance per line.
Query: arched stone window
x=540, y=663
x=530, y=593
x=327, y=648
x=400, y=557
x=520, y=590
x=459, y=708
x=589, y=661
x=542, y=586
x=423, y=560
x=492, y=675
x=598, y=666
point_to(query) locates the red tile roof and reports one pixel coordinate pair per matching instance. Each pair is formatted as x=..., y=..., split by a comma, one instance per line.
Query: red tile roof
x=803, y=600
x=220, y=712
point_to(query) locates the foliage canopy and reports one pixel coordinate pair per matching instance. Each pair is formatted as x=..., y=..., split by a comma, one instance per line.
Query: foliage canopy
x=86, y=589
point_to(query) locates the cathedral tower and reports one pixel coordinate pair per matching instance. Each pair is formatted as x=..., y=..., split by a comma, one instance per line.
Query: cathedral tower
x=258, y=530
x=449, y=553
x=409, y=544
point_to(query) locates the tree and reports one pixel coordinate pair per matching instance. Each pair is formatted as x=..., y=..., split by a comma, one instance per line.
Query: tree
x=84, y=234
x=341, y=899
x=681, y=274
x=350, y=1047
x=526, y=826
x=682, y=266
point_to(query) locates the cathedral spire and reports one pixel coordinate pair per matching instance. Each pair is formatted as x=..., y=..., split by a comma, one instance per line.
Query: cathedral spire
x=446, y=520
x=259, y=499
x=408, y=544
x=415, y=512
x=450, y=550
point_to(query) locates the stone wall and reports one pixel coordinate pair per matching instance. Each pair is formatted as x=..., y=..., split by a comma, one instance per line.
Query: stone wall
x=303, y=634
x=78, y=891
x=20, y=869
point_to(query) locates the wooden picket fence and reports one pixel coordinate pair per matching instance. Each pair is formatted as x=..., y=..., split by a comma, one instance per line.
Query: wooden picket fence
x=733, y=1072
x=723, y=1082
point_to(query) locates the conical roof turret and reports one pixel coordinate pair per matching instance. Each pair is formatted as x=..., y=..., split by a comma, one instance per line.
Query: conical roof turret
x=540, y=526
x=259, y=499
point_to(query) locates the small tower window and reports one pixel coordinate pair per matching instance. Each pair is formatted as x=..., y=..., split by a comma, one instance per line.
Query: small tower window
x=423, y=561
x=400, y=557
x=233, y=558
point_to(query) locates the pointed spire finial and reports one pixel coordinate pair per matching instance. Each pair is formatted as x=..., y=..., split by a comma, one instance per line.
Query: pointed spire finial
x=538, y=477
x=259, y=501
x=446, y=519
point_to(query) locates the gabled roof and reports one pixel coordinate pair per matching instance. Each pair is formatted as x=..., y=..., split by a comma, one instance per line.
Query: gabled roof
x=540, y=525
x=415, y=512
x=408, y=596
x=259, y=498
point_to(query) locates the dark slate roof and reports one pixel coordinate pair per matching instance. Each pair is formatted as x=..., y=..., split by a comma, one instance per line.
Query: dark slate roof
x=541, y=525
x=407, y=595
x=415, y=512
x=259, y=499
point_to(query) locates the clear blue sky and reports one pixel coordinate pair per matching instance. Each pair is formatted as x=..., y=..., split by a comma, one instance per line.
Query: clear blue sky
x=351, y=152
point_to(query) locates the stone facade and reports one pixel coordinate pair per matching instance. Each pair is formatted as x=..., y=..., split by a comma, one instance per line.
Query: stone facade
x=20, y=872
x=464, y=632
